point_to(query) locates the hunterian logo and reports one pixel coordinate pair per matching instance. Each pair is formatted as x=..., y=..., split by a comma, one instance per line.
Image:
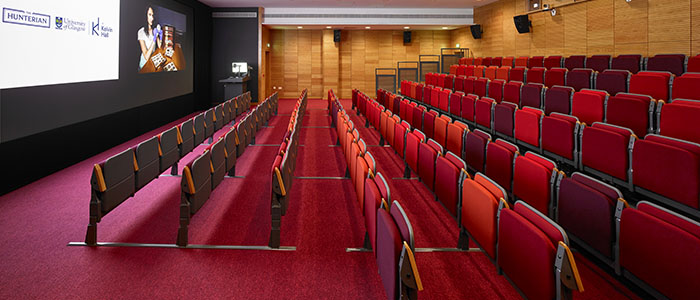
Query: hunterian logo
x=21, y=17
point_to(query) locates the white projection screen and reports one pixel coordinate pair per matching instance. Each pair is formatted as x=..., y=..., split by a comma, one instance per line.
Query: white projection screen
x=55, y=42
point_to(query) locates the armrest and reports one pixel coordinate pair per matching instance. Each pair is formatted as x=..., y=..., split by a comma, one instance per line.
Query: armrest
x=409, y=270
x=566, y=266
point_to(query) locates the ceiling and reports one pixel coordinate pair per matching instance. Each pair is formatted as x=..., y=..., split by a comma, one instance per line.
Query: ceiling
x=349, y=4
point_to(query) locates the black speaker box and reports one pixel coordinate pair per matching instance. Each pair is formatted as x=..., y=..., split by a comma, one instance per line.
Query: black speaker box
x=406, y=37
x=476, y=31
x=522, y=23
x=336, y=35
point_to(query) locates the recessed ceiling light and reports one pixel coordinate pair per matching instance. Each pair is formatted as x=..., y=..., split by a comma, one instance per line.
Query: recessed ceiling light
x=406, y=27
x=444, y=27
x=367, y=27
x=328, y=27
x=300, y=27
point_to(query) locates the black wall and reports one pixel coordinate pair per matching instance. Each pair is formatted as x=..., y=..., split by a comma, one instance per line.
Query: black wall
x=31, y=157
x=233, y=39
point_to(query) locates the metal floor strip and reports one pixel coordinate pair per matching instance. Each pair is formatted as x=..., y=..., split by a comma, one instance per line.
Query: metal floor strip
x=422, y=250
x=320, y=177
x=190, y=246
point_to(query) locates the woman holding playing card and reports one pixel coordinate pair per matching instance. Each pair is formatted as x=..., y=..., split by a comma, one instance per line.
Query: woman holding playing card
x=149, y=37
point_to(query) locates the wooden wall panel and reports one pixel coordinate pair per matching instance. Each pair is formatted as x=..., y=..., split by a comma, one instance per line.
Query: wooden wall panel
x=316, y=90
x=575, y=29
x=669, y=20
x=695, y=22
x=330, y=62
x=304, y=60
x=600, y=20
x=291, y=63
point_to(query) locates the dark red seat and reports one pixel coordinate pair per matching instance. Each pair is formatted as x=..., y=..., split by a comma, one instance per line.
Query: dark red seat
x=496, y=90
x=518, y=74
x=527, y=127
x=674, y=63
x=580, y=79
x=413, y=141
x=429, y=123
x=481, y=87
x=694, y=64
x=675, y=120
x=598, y=62
x=631, y=111
x=628, y=62
x=575, y=62
x=605, y=152
x=589, y=106
x=558, y=99
x=400, y=131
x=535, y=75
x=475, y=150
x=613, y=81
x=376, y=193
x=468, y=108
x=560, y=137
x=504, y=119
x=418, y=117
x=427, y=155
x=484, y=113
x=459, y=83
x=500, y=158
x=553, y=62
x=511, y=92
x=555, y=76
x=531, y=95
x=686, y=86
x=535, y=62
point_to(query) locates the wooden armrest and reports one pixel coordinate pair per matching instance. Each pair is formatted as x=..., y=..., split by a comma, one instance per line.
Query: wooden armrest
x=409, y=269
x=280, y=182
x=188, y=176
x=100, y=178
x=570, y=276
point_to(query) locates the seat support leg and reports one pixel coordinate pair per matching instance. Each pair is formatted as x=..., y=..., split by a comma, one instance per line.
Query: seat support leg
x=463, y=241
x=367, y=244
x=276, y=212
x=406, y=172
x=182, y=231
x=173, y=169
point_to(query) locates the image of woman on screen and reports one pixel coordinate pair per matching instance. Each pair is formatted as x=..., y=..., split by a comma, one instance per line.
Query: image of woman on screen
x=149, y=37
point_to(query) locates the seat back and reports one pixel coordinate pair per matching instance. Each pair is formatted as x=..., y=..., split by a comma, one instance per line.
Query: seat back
x=395, y=259
x=598, y=62
x=518, y=74
x=675, y=119
x=418, y=112
x=574, y=62
x=674, y=63
x=376, y=191
x=199, y=129
x=553, y=62
x=631, y=111
x=218, y=117
x=694, y=64
x=535, y=75
x=589, y=106
x=504, y=119
x=481, y=87
x=441, y=129
x=533, y=181
x=612, y=81
x=475, y=150
x=427, y=154
x=187, y=133
x=496, y=90
x=148, y=161
x=508, y=61
x=400, y=130
x=555, y=76
x=209, y=128
x=429, y=123
x=535, y=62
x=497, y=61
x=448, y=177
x=468, y=107
x=500, y=157
x=479, y=71
x=531, y=95
x=455, y=137
x=503, y=73
x=528, y=123
x=444, y=100
x=231, y=142
x=413, y=141
x=197, y=184
x=490, y=72
x=686, y=86
x=629, y=62
x=113, y=180
x=456, y=103
x=511, y=92
x=605, y=148
x=579, y=79
x=654, y=84
x=560, y=136
x=481, y=197
x=484, y=113
x=168, y=150
x=218, y=161
x=558, y=99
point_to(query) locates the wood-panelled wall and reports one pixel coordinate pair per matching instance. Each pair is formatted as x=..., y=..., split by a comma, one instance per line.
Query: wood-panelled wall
x=646, y=27
x=310, y=59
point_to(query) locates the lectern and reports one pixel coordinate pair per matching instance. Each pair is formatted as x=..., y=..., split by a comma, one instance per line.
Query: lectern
x=234, y=86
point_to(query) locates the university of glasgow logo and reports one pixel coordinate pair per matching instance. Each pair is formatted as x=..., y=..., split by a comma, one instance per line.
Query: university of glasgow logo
x=59, y=23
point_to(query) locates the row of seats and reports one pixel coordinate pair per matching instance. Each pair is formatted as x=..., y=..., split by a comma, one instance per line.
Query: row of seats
x=445, y=172
x=117, y=178
x=587, y=210
x=492, y=80
x=388, y=231
x=282, y=172
x=620, y=151
x=674, y=63
x=205, y=172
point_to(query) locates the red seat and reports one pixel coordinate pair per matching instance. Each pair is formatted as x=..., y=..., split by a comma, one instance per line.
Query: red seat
x=468, y=107
x=676, y=119
x=484, y=113
x=694, y=64
x=497, y=61
x=654, y=84
x=481, y=198
x=598, y=62
x=427, y=155
x=508, y=62
x=481, y=87
x=449, y=172
x=461, y=70
x=511, y=92
x=455, y=137
x=413, y=141
x=500, y=157
x=490, y=72
x=496, y=90
x=400, y=131
x=459, y=83
x=686, y=86
x=453, y=69
x=533, y=181
x=479, y=71
x=666, y=169
x=528, y=243
x=535, y=75
x=560, y=137
x=580, y=79
x=395, y=248
x=527, y=127
x=468, y=85
x=449, y=81
x=631, y=111
x=444, y=100
x=535, y=62
x=628, y=62
x=475, y=150
x=589, y=106
x=456, y=103
x=518, y=74
x=486, y=61
x=441, y=129
x=553, y=62
x=435, y=97
x=418, y=117
x=429, y=123
x=531, y=95
x=670, y=268
x=605, y=152
x=503, y=73
x=376, y=191
x=555, y=76
x=612, y=81
x=504, y=119
x=558, y=99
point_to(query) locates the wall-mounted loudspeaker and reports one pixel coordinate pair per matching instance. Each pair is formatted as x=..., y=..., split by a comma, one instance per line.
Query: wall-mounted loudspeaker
x=476, y=31
x=406, y=37
x=336, y=35
x=522, y=23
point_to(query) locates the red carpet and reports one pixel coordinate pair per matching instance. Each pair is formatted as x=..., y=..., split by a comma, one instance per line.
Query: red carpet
x=323, y=220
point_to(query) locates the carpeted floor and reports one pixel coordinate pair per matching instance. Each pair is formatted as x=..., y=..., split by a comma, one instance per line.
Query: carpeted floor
x=323, y=220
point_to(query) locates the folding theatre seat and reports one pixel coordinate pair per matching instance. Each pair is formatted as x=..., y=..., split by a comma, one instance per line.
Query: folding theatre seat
x=455, y=137
x=504, y=119
x=218, y=117
x=518, y=74
x=535, y=62
x=468, y=108
x=497, y=61
x=675, y=120
x=441, y=129
x=555, y=76
x=534, y=178
x=469, y=71
x=444, y=100
x=450, y=170
x=441, y=80
x=365, y=170
x=628, y=62
x=560, y=134
x=198, y=129
x=478, y=61
x=463, y=61
x=112, y=182
x=468, y=85
x=490, y=72
x=503, y=73
x=427, y=94
x=456, y=103
x=587, y=209
x=598, y=62
x=427, y=155
x=226, y=110
x=605, y=150
x=481, y=198
x=209, y=124
x=419, y=92
x=575, y=62
x=391, y=128
x=459, y=83
x=589, y=106
x=413, y=141
x=521, y=61
x=666, y=169
x=495, y=90
x=397, y=103
x=654, y=84
x=580, y=79
x=612, y=81
x=686, y=86
x=403, y=107
x=418, y=112
x=376, y=192
x=479, y=71
x=487, y=61
x=169, y=144
x=558, y=99
x=553, y=62
x=195, y=190
x=475, y=150
x=531, y=95
x=500, y=157
x=674, y=63
x=631, y=111
x=483, y=113
x=453, y=69
x=508, y=62
x=528, y=123
x=666, y=271
x=395, y=259
x=461, y=70
x=146, y=161
x=534, y=255
x=449, y=81
x=511, y=92
x=218, y=161
x=231, y=144
x=429, y=123
x=481, y=87
x=409, y=112
x=694, y=64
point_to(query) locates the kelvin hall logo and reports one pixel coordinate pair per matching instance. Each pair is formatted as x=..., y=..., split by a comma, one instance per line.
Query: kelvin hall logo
x=20, y=17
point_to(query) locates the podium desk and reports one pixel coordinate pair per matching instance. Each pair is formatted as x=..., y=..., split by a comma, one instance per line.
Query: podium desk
x=234, y=86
